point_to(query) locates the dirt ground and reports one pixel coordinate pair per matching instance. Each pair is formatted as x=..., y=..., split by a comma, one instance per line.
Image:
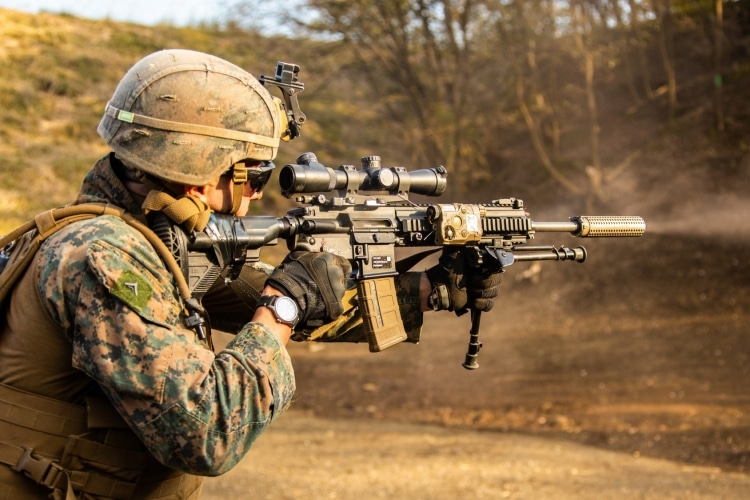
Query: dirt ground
x=306, y=457
x=623, y=377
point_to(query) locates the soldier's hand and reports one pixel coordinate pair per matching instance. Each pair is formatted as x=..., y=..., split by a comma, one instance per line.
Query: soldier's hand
x=448, y=280
x=316, y=281
x=458, y=284
x=483, y=285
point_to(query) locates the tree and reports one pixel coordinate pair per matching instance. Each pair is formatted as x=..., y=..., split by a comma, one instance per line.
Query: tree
x=557, y=49
x=663, y=11
x=718, y=63
x=424, y=62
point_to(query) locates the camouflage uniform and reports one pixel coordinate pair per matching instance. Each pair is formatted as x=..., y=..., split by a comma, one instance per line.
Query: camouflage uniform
x=102, y=285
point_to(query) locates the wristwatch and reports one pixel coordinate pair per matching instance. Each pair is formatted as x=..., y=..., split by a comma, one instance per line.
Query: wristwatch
x=284, y=308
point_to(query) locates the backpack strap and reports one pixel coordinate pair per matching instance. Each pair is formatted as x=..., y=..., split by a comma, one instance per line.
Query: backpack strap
x=20, y=245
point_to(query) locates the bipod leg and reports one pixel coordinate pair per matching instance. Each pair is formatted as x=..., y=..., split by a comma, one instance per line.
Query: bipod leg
x=471, y=362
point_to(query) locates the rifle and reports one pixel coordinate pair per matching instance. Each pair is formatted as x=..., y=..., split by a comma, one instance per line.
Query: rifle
x=368, y=215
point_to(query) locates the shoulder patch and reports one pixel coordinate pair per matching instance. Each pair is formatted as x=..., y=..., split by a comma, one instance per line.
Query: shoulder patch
x=151, y=296
x=133, y=290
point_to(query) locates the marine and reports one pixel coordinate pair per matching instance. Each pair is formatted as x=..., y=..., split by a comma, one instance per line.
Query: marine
x=108, y=387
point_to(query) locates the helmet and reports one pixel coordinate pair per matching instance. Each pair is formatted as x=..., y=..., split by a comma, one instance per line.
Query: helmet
x=187, y=117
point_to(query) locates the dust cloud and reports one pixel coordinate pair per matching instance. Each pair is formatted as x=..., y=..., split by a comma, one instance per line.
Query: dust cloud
x=726, y=217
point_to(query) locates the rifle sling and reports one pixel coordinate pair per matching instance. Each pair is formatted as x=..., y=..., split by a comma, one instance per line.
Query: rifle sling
x=407, y=263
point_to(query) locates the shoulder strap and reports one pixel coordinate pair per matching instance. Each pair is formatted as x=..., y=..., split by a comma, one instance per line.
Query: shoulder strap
x=20, y=246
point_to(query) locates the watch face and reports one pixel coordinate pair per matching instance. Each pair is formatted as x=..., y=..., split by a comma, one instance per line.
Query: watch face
x=286, y=308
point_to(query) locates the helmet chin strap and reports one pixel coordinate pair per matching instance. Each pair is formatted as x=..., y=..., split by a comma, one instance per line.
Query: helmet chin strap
x=239, y=178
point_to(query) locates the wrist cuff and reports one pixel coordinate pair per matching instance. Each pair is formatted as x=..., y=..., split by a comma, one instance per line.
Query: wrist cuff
x=438, y=299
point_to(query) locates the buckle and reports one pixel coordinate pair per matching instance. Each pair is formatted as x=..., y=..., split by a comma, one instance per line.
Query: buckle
x=239, y=174
x=44, y=471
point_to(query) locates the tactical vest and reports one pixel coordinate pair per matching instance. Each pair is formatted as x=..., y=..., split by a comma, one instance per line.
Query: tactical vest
x=48, y=446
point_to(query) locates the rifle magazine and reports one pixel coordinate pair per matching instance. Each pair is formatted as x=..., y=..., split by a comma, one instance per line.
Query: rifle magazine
x=380, y=313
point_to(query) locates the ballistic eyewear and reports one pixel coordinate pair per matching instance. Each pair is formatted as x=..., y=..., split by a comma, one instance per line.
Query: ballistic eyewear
x=256, y=173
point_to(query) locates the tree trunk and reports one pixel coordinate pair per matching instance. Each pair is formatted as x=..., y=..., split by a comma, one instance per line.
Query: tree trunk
x=537, y=140
x=626, y=50
x=645, y=68
x=664, y=13
x=594, y=169
x=718, y=47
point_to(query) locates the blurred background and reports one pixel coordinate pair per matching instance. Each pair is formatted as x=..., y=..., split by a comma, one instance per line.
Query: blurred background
x=604, y=107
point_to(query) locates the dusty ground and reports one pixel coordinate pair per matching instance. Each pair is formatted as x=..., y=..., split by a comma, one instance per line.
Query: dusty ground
x=622, y=377
x=306, y=457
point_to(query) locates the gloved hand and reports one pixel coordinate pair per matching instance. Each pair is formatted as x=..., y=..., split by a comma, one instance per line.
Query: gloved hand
x=316, y=281
x=484, y=285
x=458, y=284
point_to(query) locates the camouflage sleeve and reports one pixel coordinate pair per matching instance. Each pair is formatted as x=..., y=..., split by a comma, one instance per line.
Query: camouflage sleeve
x=194, y=410
x=232, y=305
x=348, y=326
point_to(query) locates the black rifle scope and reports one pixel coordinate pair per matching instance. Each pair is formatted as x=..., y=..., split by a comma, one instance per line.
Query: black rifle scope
x=310, y=176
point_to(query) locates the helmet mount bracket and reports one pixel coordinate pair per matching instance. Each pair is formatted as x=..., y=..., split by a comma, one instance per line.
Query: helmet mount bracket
x=286, y=78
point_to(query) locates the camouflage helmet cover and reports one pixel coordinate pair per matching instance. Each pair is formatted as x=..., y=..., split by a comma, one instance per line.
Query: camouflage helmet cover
x=187, y=117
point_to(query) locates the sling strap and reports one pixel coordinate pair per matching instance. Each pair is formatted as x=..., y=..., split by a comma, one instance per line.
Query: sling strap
x=189, y=211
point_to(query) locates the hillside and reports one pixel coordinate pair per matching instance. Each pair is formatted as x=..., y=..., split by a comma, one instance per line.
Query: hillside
x=59, y=71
